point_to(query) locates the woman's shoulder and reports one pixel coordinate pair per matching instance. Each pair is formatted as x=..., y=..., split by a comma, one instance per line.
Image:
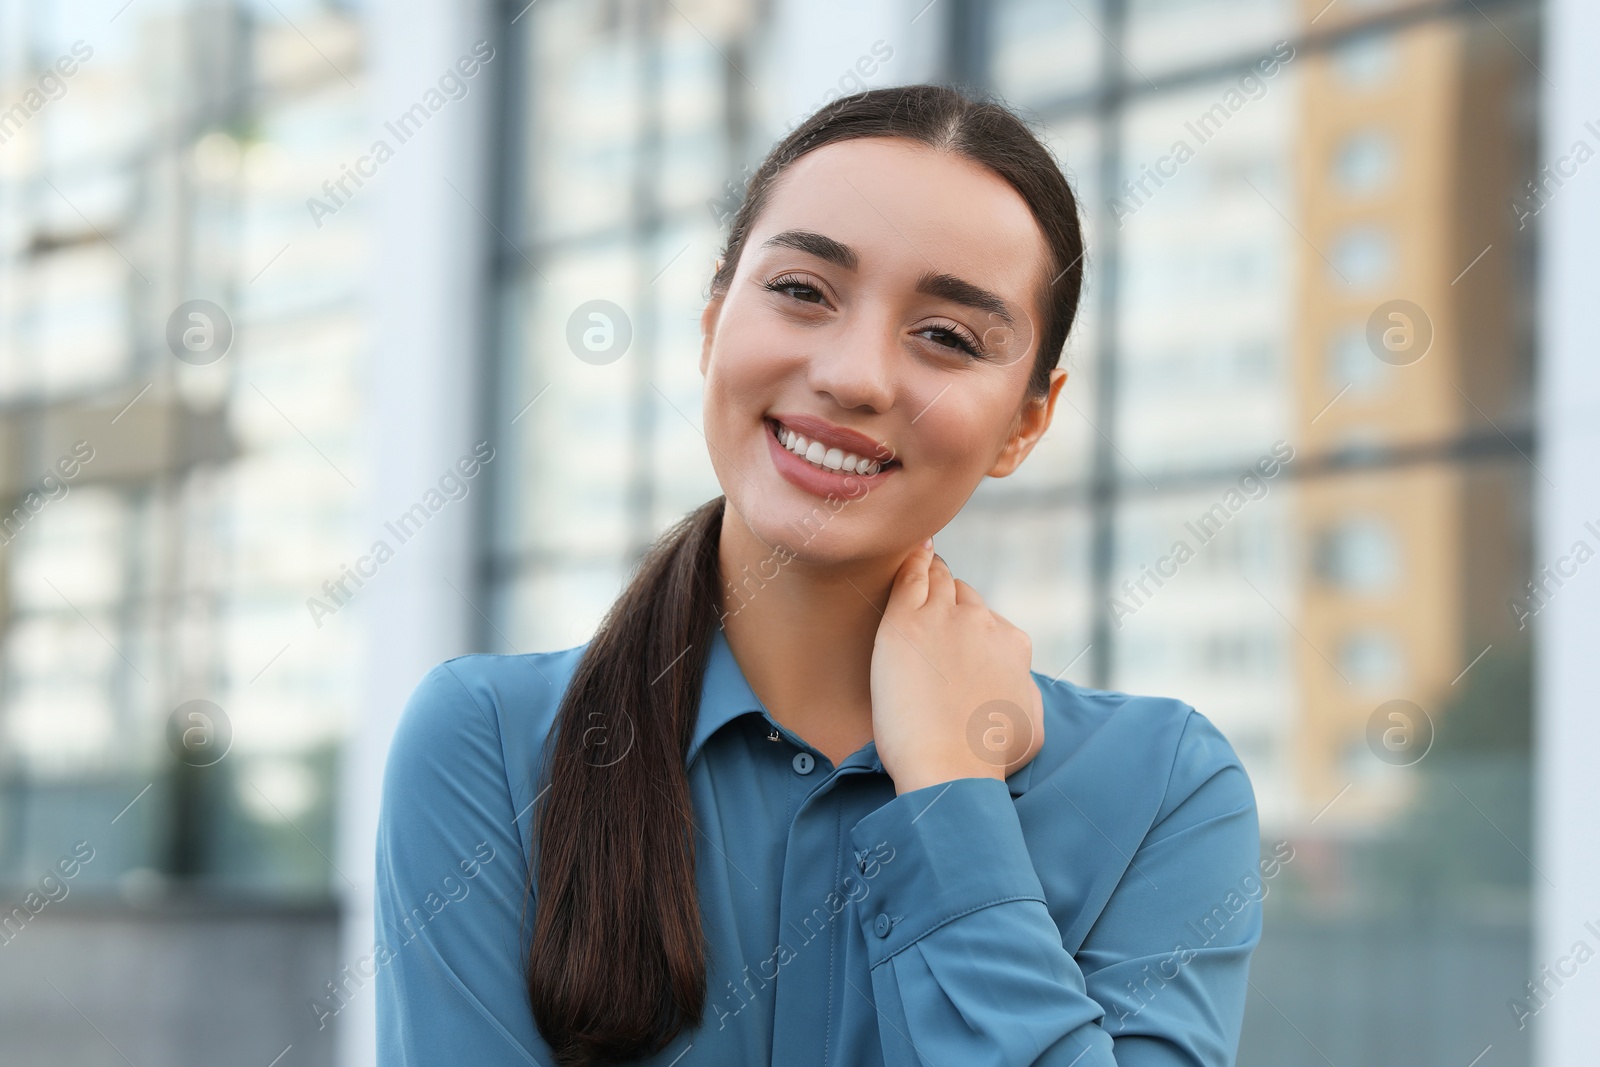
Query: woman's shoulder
x=1160, y=745
x=1132, y=792
x=482, y=707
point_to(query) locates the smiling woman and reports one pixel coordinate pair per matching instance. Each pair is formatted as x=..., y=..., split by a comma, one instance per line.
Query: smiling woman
x=882, y=334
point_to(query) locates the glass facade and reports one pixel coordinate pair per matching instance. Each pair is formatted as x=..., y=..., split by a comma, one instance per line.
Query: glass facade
x=1289, y=477
x=179, y=337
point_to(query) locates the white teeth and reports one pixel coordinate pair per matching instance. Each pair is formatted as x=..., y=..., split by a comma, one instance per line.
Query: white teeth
x=836, y=459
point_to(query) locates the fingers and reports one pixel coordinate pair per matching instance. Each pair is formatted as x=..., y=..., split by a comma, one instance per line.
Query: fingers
x=965, y=594
x=941, y=583
x=910, y=588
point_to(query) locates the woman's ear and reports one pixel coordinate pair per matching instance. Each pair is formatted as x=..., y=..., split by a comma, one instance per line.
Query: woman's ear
x=708, y=327
x=1030, y=425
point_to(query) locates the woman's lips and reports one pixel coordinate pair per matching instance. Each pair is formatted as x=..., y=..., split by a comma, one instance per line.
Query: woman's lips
x=819, y=481
x=831, y=435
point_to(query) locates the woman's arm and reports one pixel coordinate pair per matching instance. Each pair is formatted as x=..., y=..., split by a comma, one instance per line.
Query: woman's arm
x=451, y=873
x=969, y=967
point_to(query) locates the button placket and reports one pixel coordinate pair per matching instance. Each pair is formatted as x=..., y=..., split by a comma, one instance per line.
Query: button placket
x=810, y=986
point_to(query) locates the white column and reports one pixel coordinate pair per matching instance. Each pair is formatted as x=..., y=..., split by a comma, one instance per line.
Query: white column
x=1566, y=681
x=422, y=371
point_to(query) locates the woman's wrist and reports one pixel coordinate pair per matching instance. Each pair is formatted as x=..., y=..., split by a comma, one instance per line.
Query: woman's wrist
x=922, y=778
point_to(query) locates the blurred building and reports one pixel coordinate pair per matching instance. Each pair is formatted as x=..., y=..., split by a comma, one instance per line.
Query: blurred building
x=179, y=342
x=1411, y=146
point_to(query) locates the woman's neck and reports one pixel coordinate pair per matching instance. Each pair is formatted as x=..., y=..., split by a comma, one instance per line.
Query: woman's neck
x=803, y=636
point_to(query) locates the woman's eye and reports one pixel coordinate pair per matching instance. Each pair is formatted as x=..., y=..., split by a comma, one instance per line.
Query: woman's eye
x=948, y=338
x=789, y=287
x=943, y=336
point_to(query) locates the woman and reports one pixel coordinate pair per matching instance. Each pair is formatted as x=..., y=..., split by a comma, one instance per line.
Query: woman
x=801, y=799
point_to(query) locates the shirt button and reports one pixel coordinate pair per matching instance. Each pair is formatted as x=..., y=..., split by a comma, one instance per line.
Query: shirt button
x=881, y=924
x=803, y=762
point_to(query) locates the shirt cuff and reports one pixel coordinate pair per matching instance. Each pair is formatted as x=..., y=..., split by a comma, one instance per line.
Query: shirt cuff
x=935, y=854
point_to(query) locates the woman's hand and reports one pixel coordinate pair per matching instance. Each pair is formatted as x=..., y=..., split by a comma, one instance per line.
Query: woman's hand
x=952, y=693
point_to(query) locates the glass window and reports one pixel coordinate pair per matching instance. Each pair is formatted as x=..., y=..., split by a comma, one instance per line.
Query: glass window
x=1364, y=162
x=1045, y=50
x=1205, y=272
x=1363, y=256
x=1164, y=36
x=1359, y=554
x=1349, y=361
x=587, y=102
x=580, y=377
x=1371, y=659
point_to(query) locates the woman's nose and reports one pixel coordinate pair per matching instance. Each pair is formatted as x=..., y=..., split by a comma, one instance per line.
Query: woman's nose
x=855, y=366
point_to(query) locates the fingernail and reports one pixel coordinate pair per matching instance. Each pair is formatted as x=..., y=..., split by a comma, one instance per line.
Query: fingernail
x=927, y=542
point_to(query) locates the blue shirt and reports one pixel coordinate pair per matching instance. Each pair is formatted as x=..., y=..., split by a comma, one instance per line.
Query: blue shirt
x=1098, y=907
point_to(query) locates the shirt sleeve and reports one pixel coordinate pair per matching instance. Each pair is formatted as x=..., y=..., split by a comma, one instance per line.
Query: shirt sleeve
x=968, y=966
x=450, y=884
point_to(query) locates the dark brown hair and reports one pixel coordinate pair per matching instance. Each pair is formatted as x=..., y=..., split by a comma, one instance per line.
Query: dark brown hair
x=617, y=965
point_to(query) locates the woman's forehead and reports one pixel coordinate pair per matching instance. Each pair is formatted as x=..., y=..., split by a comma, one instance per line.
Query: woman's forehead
x=907, y=208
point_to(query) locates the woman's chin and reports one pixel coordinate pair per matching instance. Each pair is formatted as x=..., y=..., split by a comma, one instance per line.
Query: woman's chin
x=817, y=535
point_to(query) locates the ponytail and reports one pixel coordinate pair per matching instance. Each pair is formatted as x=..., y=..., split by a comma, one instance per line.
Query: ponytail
x=618, y=961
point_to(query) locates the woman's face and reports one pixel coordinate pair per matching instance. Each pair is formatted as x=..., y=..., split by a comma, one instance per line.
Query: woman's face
x=884, y=306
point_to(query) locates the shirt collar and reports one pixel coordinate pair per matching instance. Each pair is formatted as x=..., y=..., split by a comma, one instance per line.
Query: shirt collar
x=725, y=694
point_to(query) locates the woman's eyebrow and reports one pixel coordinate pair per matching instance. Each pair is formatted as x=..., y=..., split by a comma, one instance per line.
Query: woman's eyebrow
x=949, y=287
x=931, y=283
x=816, y=244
